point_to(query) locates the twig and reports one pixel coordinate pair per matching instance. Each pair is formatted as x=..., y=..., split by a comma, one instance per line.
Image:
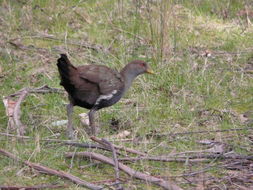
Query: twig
x=24, y=47
x=31, y=138
x=118, y=147
x=127, y=32
x=46, y=170
x=160, y=182
x=43, y=89
x=116, y=163
x=206, y=169
x=71, y=42
x=237, y=165
x=200, y=157
x=189, y=158
x=34, y=187
x=197, y=132
x=46, y=89
x=87, y=145
x=16, y=114
x=15, y=136
x=221, y=156
x=164, y=159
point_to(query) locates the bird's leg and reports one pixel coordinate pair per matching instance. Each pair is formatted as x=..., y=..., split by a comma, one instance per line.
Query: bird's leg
x=70, y=129
x=94, y=128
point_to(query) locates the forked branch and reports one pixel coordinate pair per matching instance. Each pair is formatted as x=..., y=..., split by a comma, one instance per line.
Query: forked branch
x=139, y=175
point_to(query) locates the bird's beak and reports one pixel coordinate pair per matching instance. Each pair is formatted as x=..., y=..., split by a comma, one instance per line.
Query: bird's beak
x=150, y=71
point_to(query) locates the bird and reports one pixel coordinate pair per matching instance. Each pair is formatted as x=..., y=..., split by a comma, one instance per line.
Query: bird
x=96, y=86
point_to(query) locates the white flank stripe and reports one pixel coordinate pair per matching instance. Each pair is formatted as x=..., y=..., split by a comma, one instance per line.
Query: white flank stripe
x=105, y=97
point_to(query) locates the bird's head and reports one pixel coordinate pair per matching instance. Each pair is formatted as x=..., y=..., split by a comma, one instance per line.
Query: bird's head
x=138, y=67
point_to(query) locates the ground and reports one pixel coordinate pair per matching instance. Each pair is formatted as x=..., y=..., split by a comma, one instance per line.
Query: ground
x=199, y=100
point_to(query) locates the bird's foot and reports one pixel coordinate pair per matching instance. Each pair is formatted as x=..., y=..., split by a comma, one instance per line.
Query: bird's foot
x=72, y=134
x=95, y=130
x=92, y=130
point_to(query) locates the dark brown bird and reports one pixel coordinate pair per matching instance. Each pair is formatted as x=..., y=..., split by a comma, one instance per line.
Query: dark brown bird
x=96, y=86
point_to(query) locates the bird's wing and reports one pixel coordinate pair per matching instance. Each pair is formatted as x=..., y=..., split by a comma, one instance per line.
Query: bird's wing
x=86, y=91
x=105, y=78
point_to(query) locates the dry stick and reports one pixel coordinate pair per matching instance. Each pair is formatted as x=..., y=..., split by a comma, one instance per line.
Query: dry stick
x=24, y=47
x=31, y=138
x=110, y=182
x=164, y=159
x=223, y=156
x=126, y=32
x=86, y=145
x=16, y=114
x=117, y=147
x=82, y=44
x=191, y=158
x=205, y=169
x=204, y=131
x=159, y=159
x=198, y=157
x=160, y=182
x=238, y=165
x=34, y=187
x=15, y=136
x=63, y=142
x=116, y=162
x=209, y=155
x=43, y=89
x=46, y=89
x=46, y=170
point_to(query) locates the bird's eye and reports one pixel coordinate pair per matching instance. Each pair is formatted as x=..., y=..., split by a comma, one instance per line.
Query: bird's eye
x=143, y=65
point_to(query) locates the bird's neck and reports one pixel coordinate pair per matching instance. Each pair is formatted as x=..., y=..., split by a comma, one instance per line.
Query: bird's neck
x=128, y=77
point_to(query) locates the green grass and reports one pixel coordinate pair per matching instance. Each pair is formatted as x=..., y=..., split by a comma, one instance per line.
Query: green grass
x=172, y=36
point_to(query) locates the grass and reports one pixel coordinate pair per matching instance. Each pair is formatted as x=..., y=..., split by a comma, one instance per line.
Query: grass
x=190, y=92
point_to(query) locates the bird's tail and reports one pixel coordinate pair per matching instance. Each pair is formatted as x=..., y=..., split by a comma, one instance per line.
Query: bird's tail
x=66, y=69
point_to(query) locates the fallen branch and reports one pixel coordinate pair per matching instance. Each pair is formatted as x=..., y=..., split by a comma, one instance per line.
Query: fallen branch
x=34, y=187
x=117, y=147
x=46, y=170
x=157, y=181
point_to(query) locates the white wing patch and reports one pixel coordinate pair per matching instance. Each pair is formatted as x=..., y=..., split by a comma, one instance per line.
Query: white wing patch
x=105, y=97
